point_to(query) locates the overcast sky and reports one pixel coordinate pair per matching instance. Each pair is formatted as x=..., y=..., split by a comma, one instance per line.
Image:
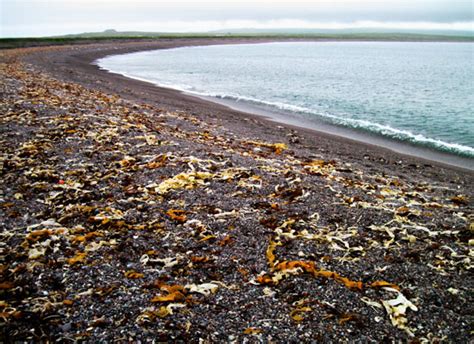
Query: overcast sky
x=55, y=17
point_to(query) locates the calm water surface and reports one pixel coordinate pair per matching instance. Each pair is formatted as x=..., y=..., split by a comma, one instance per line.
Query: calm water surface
x=421, y=93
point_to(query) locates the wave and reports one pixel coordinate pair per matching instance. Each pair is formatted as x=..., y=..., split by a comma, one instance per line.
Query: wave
x=357, y=124
x=370, y=127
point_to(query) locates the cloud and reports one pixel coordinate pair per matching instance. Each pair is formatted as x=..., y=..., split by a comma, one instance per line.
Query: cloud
x=212, y=25
x=55, y=17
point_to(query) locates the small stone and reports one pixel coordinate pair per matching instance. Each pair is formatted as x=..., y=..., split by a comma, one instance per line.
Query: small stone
x=66, y=327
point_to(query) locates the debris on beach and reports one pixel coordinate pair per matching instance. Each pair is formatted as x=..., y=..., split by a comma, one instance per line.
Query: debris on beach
x=123, y=221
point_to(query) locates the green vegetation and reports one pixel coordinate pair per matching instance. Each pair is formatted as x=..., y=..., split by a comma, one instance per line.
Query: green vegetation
x=112, y=35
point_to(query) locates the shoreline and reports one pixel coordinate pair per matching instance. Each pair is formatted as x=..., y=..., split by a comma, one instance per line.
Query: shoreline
x=86, y=62
x=296, y=121
x=281, y=116
x=399, y=147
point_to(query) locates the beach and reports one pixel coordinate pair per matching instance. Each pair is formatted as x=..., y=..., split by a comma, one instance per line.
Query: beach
x=134, y=212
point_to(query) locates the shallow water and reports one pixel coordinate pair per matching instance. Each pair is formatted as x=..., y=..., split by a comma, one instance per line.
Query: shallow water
x=420, y=93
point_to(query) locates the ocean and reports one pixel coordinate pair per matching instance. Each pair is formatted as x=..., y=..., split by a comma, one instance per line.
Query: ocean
x=421, y=94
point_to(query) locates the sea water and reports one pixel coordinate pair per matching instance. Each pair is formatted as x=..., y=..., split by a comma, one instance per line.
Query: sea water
x=419, y=93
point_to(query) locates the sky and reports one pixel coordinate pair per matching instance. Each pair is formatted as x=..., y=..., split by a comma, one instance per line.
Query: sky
x=30, y=18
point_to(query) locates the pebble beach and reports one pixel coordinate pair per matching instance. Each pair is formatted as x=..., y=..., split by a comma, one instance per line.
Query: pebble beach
x=136, y=213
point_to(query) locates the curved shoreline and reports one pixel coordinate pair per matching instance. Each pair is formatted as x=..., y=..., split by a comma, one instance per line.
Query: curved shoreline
x=75, y=60
x=275, y=113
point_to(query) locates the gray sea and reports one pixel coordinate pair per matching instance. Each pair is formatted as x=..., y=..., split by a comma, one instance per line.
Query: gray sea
x=418, y=93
